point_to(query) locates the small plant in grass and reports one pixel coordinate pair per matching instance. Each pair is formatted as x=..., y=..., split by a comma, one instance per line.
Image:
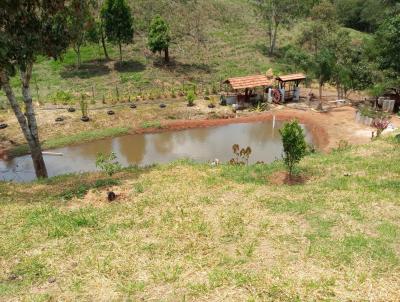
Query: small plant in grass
x=343, y=145
x=380, y=124
x=173, y=93
x=214, y=89
x=380, y=119
x=63, y=97
x=241, y=155
x=84, y=108
x=212, y=102
x=207, y=94
x=138, y=187
x=151, y=124
x=190, y=98
x=260, y=107
x=108, y=163
x=294, y=144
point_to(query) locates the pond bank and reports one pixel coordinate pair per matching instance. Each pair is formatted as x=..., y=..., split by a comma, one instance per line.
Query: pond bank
x=328, y=129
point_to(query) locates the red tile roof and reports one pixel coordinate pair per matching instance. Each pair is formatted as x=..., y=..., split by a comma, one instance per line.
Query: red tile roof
x=291, y=77
x=249, y=82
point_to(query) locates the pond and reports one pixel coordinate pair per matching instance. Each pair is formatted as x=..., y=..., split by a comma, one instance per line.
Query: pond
x=202, y=145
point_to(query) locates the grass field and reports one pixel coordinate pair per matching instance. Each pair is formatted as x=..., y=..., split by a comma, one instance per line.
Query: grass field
x=185, y=231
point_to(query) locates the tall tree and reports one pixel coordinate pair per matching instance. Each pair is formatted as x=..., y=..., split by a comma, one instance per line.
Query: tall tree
x=159, y=37
x=387, y=45
x=316, y=37
x=118, y=23
x=96, y=35
x=80, y=23
x=28, y=29
x=351, y=70
x=277, y=13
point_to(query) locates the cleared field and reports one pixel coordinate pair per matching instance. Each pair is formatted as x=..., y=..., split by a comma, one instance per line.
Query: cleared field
x=184, y=232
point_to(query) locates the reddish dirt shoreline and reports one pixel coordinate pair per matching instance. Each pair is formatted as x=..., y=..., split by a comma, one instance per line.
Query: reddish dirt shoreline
x=327, y=129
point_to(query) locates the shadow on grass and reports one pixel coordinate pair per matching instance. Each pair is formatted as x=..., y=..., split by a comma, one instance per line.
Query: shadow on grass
x=182, y=68
x=261, y=48
x=129, y=66
x=87, y=70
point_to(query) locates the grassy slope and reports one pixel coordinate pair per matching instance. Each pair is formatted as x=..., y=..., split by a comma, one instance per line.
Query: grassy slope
x=234, y=46
x=189, y=231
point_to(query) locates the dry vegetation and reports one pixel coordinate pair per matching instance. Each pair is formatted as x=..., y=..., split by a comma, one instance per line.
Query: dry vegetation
x=188, y=231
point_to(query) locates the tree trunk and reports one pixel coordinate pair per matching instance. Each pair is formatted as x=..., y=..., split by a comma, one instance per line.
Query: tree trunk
x=120, y=51
x=270, y=37
x=166, y=53
x=339, y=93
x=78, y=56
x=103, y=43
x=320, y=90
x=27, y=122
x=272, y=49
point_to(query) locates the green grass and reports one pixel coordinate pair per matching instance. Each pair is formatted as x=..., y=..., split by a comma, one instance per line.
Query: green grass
x=151, y=124
x=190, y=231
x=78, y=138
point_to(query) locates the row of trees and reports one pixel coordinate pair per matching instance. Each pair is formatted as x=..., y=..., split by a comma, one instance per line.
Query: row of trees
x=326, y=50
x=112, y=22
x=33, y=28
x=363, y=15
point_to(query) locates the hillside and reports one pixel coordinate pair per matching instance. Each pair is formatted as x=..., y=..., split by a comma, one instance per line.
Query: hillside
x=212, y=40
x=187, y=231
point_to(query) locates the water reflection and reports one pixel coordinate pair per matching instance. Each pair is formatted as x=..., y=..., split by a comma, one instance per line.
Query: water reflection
x=204, y=144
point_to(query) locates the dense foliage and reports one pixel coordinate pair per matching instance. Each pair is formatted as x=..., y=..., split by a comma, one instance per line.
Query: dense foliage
x=29, y=29
x=159, y=37
x=294, y=144
x=118, y=22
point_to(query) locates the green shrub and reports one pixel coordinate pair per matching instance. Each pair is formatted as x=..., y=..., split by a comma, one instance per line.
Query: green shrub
x=190, y=98
x=63, y=97
x=151, y=124
x=84, y=106
x=108, y=164
x=139, y=188
x=294, y=144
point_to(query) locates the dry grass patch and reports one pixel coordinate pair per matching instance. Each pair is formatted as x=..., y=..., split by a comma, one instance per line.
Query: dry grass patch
x=201, y=233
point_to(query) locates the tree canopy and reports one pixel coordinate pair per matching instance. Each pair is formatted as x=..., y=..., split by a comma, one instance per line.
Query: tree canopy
x=277, y=13
x=159, y=36
x=28, y=29
x=387, y=44
x=80, y=24
x=118, y=22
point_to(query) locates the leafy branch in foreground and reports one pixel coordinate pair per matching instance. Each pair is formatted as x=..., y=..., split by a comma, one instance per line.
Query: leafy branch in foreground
x=294, y=144
x=108, y=163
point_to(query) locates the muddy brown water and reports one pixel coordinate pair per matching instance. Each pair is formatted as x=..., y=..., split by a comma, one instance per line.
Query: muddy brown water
x=202, y=145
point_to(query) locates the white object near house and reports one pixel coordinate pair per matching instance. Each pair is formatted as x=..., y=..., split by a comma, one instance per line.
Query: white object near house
x=269, y=95
x=296, y=94
x=388, y=105
x=282, y=91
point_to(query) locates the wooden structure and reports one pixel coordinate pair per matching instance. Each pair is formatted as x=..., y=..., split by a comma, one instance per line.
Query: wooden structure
x=288, y=87
x=244, y=87
x=279, y=89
